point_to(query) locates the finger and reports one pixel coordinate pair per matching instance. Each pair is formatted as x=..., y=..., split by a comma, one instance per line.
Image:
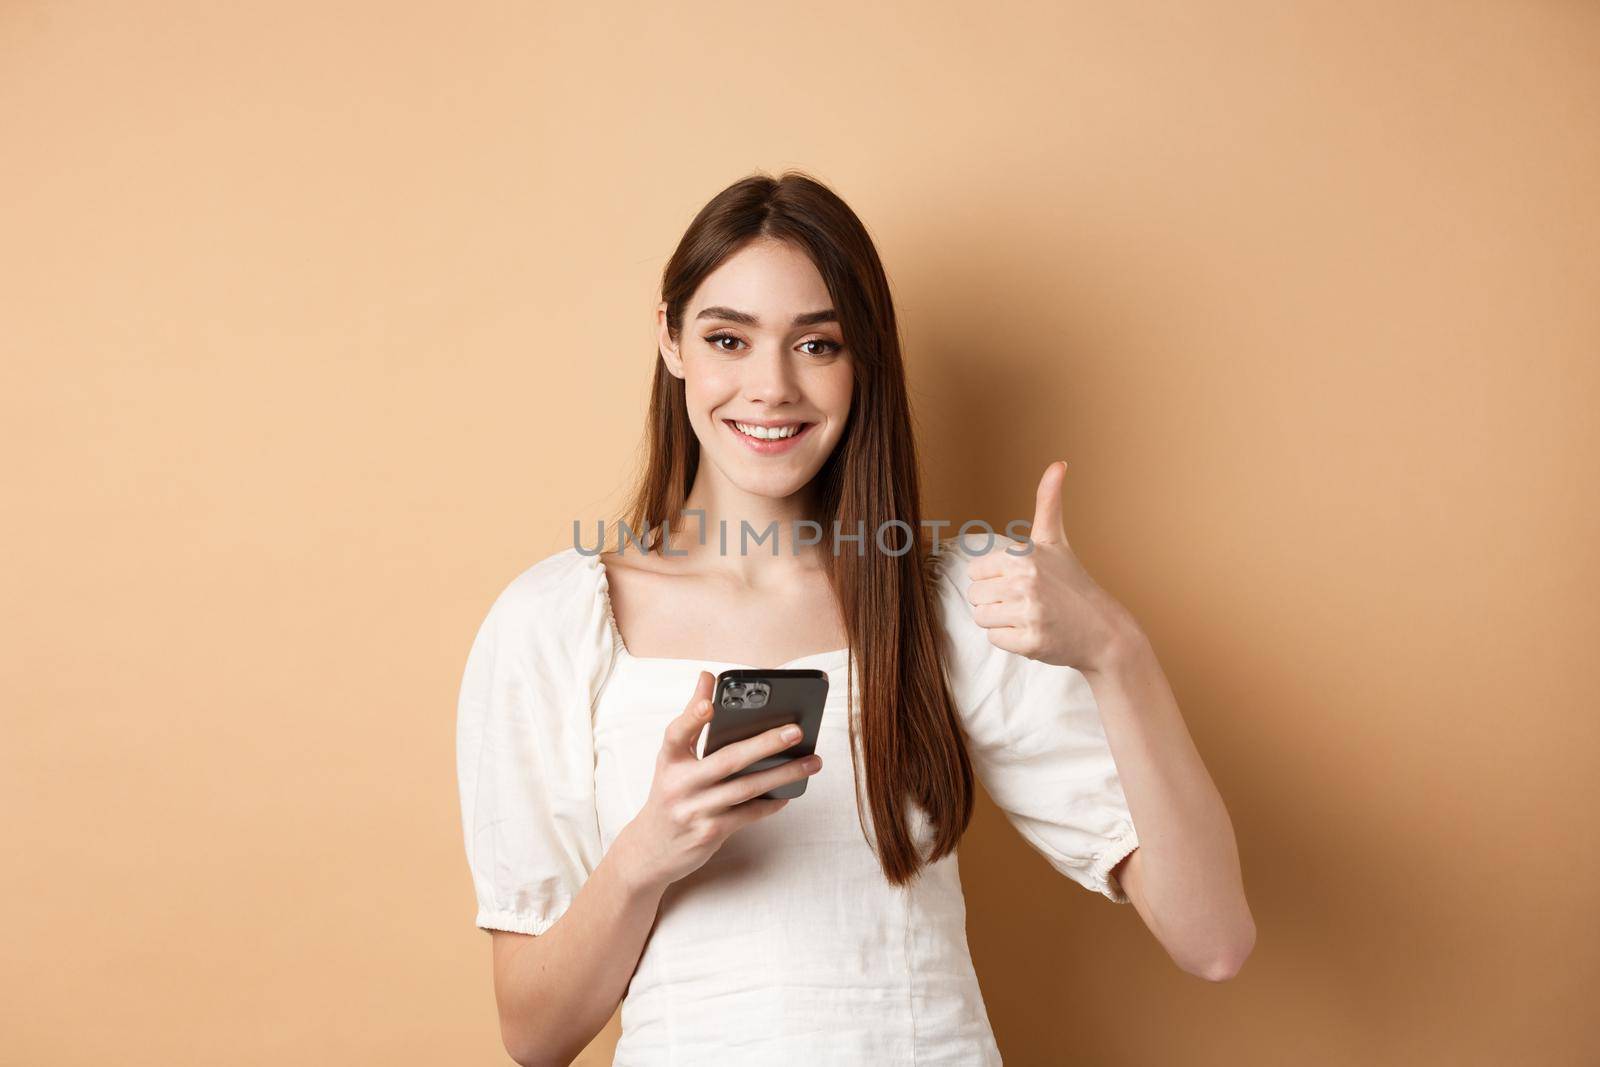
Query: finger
x=1010, y=638
x=1005, y=614
x=731, y=759
x=683, y=732
x=736, y=791
x=748, y=812
x=1047, y=528
x=990, y=564
x=990, y=591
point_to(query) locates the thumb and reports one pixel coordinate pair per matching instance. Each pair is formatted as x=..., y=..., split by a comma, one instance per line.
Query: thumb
x=1047, y=528
x=703, y=686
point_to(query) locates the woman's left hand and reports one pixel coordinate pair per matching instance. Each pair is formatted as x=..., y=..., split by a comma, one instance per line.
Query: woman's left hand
x=1043, y=604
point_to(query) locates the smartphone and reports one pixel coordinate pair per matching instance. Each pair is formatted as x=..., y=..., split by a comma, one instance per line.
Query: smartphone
x=750, y=702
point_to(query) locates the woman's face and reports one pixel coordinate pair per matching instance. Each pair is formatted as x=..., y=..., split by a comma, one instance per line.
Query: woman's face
x=761, y=355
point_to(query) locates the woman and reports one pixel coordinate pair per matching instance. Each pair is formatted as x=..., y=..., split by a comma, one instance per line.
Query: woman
x=613, y=863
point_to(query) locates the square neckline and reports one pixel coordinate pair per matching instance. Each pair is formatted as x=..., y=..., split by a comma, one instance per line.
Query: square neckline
x=603, y=591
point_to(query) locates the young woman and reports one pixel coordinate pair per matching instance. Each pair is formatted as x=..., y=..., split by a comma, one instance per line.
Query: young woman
x=613, y=863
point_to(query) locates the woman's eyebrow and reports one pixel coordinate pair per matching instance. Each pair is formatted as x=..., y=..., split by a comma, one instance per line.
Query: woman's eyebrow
x=810, y=318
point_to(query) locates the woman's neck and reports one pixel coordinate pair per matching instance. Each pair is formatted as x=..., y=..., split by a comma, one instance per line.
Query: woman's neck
x=740, y=529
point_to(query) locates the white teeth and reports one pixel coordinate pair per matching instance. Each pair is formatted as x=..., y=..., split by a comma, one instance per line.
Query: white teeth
x=768, y=433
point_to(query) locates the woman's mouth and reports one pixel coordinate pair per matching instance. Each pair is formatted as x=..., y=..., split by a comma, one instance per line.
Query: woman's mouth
x=768, y=439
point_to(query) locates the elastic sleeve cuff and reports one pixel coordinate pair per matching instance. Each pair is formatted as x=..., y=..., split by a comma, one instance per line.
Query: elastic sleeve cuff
x=1116, y=849
x=520, y=922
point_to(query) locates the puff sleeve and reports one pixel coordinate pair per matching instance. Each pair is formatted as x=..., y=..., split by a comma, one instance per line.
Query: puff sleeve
x=525, y=746
x=1035, y=739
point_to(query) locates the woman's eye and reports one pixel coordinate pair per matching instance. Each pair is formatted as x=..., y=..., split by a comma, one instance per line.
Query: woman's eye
x=715, y=341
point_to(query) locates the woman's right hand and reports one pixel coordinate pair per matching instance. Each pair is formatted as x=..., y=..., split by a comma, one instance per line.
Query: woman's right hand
x=691, y=810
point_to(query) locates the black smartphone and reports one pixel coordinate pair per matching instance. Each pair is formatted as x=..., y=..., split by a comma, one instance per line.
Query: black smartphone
x=750, y=702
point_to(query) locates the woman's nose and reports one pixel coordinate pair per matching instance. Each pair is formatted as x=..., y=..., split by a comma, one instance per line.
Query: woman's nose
x=770, y=378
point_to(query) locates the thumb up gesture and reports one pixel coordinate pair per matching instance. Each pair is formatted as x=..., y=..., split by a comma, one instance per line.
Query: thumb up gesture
x=1043, y=604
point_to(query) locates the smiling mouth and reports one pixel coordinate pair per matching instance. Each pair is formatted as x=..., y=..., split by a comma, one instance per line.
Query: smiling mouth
x=778, y=432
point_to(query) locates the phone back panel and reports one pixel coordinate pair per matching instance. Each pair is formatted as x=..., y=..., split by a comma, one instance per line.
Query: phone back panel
x=793, y=696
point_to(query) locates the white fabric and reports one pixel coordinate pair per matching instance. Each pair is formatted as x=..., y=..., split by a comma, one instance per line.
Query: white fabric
x=787, y=946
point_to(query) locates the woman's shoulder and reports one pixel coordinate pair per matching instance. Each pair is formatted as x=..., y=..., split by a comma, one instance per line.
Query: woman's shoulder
x=555, y=601
x=560, y=576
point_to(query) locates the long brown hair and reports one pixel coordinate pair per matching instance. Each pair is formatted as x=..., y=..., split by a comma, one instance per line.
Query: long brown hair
x=909, y=733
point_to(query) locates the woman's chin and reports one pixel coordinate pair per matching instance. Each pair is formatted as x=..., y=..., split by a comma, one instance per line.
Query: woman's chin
x=776, y=481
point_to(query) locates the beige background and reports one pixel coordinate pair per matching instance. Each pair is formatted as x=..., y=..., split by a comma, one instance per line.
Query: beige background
x=323, y=321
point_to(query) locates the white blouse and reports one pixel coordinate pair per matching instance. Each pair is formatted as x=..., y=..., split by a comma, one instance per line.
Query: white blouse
x=787, y=946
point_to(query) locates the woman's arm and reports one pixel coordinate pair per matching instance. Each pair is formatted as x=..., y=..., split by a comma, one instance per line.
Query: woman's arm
x=557, y=990
x=1184, y=877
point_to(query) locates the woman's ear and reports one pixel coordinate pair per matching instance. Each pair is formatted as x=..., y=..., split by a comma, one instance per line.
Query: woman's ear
x=669, y=349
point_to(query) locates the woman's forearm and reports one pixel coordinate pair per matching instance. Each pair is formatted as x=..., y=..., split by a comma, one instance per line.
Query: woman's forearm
x=1189, y=867
x=556, y=991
